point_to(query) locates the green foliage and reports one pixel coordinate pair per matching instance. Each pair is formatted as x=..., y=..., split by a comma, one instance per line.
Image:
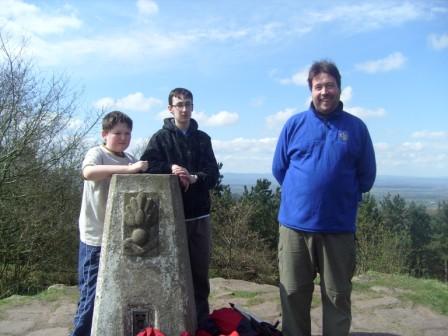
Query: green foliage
x=238, y=251
x=40, y=186
x=392, y=236
x=439, y=242
x=379, y=248
x=265, y=203
x=395, y=237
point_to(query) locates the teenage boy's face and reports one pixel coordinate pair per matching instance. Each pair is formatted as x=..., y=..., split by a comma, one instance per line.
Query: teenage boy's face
x=181, y=109
x=118, y=138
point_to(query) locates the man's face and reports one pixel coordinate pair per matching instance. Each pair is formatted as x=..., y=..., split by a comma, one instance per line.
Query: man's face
x=325, y=93
x=181, y=109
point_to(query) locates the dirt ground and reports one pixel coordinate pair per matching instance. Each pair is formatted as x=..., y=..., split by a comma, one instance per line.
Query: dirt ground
x=376, y=313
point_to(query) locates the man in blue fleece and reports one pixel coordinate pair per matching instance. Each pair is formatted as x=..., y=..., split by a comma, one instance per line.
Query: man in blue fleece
x=324, y=161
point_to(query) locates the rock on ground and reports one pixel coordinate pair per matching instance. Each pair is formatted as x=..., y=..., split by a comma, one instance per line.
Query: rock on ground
x=380, y=315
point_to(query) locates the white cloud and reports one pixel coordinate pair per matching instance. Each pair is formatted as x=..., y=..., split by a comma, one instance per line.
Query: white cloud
x=438, y=42
x=430, y=134
x=411, y=146
x=18, y=17
x=392, y=62
x=132, y=102
x=257, y=101
x=277, y=120
x=412, y=158
x=368, y=16
x=300, y=78
x=75, y=123
x=381, y=146
x=346, y=94
x=137, y=146
x=244, y=145
x=362, y=112
x=147, y=7
x=222, y=118
x=268, y=31
x=130, y=48
x=245, y=155
x=166, y=114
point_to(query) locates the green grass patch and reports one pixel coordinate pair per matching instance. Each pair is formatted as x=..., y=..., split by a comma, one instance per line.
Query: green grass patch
x=55, y=293
x=50, y=295
x=255, y=301
x=244, y=294
x=426, y=292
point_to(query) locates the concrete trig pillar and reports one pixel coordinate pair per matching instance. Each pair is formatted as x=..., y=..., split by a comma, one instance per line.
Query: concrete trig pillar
x=144, y=276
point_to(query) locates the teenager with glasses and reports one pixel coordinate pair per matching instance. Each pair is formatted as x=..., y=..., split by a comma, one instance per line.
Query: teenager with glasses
x=180, y=148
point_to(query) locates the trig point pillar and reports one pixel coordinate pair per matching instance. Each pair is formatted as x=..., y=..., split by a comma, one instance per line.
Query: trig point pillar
x=144, y=277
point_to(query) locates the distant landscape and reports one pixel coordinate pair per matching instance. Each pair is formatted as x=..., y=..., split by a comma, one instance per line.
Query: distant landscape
x=428, y=191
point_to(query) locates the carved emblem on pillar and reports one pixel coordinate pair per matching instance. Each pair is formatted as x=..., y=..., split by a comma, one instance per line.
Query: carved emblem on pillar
x=141, y=225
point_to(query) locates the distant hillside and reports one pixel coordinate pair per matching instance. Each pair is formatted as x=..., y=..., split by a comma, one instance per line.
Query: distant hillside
x=423, y=190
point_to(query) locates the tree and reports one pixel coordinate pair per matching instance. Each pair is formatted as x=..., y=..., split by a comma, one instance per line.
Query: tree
x=238, y=251
x=40, y=186
x=382, y=236
x=420, y=238
x=265, y=204
x=439, y=242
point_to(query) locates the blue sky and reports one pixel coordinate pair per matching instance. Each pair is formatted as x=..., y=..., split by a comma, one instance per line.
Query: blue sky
x=246, y=63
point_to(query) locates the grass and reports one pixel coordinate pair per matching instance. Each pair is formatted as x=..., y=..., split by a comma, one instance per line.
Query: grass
x=426, y=292
x=50, y=295
x=244, y=294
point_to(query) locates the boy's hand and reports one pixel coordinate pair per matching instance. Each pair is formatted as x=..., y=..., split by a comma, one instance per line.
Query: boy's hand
x=138, y=167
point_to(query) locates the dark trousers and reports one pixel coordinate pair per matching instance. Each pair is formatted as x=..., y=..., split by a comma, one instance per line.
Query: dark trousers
x=88, y=264
x=199, y=246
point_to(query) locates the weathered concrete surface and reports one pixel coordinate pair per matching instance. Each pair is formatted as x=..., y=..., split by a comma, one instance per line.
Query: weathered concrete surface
x=144, y=275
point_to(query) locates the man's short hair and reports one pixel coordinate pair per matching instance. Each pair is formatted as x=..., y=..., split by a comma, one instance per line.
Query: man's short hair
x=179, y=92
x=324, y=66
x=111, y=119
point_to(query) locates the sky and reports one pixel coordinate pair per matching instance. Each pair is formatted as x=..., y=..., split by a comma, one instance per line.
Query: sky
x=246, y=62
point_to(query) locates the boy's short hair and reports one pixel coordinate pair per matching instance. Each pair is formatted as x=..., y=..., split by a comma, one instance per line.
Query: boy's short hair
x=111, y=119
x=179, y=92
x=326, y=67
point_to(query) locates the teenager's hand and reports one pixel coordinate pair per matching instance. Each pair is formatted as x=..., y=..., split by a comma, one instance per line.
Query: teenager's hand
x=184, y=175
x=184, y=182
x=179, y=170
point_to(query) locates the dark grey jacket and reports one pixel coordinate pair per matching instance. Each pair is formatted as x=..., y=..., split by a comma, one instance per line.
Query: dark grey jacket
x=193, y=151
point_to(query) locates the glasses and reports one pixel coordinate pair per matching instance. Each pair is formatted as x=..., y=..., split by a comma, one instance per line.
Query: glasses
x=180, y=106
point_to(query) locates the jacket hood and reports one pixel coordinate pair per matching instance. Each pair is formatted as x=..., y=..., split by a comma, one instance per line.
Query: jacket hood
x=169, y=125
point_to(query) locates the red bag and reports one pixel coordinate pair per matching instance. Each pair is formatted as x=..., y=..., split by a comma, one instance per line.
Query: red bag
x=150, y=331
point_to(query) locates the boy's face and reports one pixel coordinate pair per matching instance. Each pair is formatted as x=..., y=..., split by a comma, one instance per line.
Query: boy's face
x=181, y=109
x=118, y=138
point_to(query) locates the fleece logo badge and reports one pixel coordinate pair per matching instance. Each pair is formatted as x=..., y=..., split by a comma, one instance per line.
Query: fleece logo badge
x=343, y=136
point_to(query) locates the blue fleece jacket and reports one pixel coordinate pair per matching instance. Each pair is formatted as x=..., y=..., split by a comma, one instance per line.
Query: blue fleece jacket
x=323, y=166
